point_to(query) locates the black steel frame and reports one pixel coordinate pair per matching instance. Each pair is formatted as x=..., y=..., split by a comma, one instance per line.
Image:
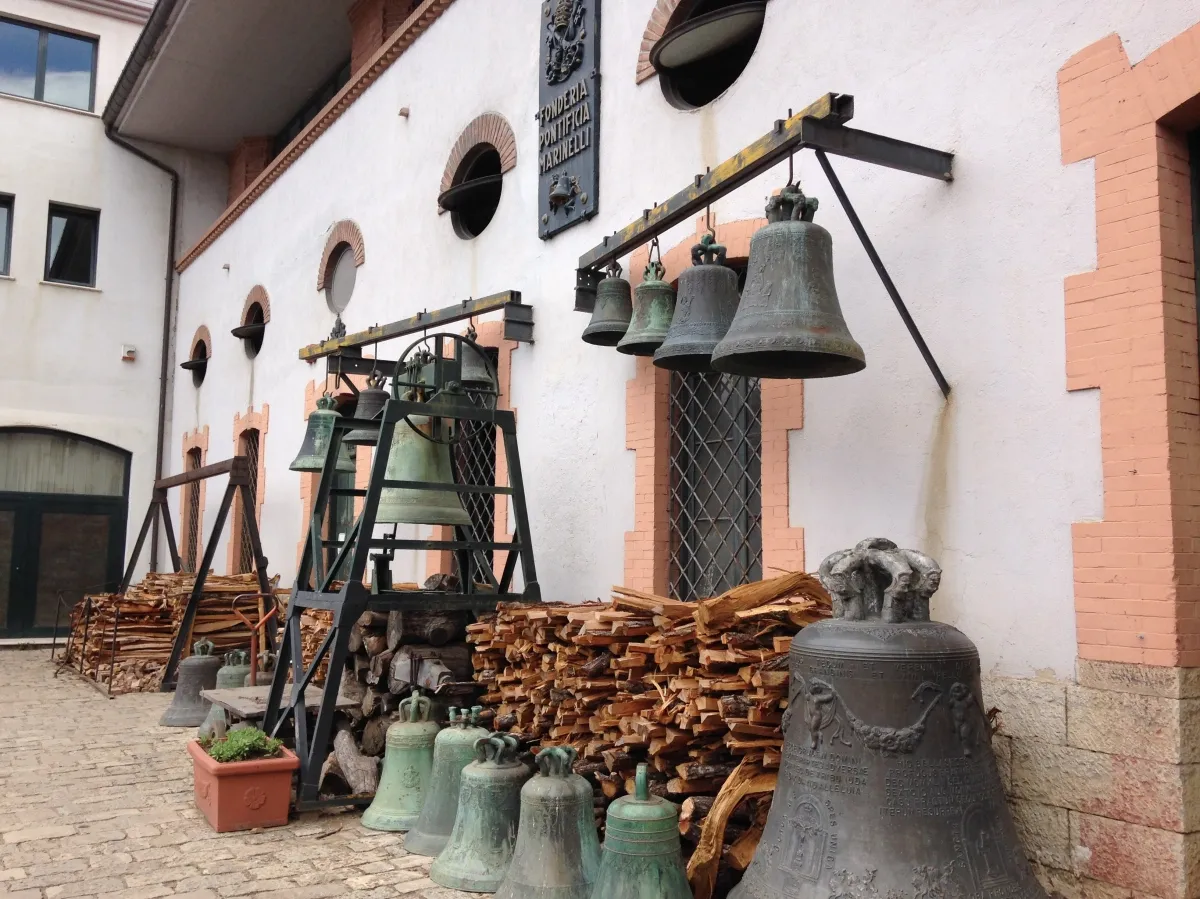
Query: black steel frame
x=819, y=127
x=238, y=469
x=313, y=586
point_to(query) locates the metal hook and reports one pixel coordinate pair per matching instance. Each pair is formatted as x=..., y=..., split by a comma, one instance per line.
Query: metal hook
x=655, y=251
x=708, y=221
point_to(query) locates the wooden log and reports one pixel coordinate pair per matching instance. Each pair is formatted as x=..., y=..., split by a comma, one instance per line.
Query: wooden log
x=702, y=867
x=374, y=736
x=374, y=643
x=432, y=627
x=361, y=772
x=375, y=620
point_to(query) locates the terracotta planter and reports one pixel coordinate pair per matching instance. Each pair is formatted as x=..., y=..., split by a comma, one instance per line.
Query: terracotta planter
x=242, y=795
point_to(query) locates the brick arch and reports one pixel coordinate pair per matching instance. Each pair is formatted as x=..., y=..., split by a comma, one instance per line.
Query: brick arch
x=257, y=294
x=1131, y=333
x=647, y=433
x=201, y=334
x=489, y=128
x=665, y=15
x=343, y=232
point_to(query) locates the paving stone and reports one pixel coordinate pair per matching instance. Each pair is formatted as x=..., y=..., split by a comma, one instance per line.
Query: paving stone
x=96, y=801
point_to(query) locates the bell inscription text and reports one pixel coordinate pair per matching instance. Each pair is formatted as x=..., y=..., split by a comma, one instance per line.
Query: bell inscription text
x=888, y=788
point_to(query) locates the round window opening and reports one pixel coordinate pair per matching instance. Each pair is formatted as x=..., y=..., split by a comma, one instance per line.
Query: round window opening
x=340, y=285
x=252, y=330
x=707, y=46
x=475, y=192
x=198, y=363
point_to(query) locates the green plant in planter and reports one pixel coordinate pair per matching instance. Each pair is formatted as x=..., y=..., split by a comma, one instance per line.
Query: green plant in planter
x=242, y=745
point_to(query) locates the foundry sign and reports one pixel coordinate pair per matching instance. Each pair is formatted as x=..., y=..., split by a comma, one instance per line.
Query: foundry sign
x=568, y=117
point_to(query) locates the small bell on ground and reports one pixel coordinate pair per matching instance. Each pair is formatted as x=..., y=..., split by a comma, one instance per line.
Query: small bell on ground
x=557, y=854
x=641, y=857
x=371, y=401
x=231, y=675
x=888, y=785
x=197, y=672
x=480, y=848
x=417, y=458
x=704, y=307
x=453, y=750
x=653, y=307
x=614, y=308
x=789, y=323
x=407, y=764
x=317, y=437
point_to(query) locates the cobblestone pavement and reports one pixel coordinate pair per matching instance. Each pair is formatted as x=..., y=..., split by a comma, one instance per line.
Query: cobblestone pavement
x=96, y=800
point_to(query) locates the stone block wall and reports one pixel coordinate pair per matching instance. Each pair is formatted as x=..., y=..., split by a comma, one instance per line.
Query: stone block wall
x=1103, y=778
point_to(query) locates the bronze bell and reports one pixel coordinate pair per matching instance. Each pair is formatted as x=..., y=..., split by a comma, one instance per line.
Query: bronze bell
x=371, y=401
x=707, y=301
x=452, y=751
x=416, y=458
x=613, y=309
x=653, y=307
x=316, y=440
x=888, y=785
x=407, y=763
x=485, y=826
x=231, y=675
x=474, y=370
x=197, y=672
x=789, y=323
x=557, y=855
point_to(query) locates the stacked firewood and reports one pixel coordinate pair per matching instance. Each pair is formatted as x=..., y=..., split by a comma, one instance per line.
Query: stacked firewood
x=697, y=690
x=126, y=639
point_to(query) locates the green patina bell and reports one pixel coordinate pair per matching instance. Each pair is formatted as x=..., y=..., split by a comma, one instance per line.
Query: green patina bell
x=557, y=855
x=316, y=440
x=407, y=764
x=613, y=309
x=453, y=750
x=197, y=672
x=485, y=827
x=653, y=308
x=641, y=849
x=231, y=675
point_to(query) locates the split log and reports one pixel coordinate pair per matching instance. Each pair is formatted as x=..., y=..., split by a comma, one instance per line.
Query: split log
x=361, y=772
x=332, y=782
x=432, y=627
x=372, y=620
x=702, y=867
x=374, y=643
x=374, y=736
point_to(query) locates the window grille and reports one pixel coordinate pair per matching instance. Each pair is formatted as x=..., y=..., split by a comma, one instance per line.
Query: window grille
x=473, y=457
x=191, y=522
x=249, y=449
x=340, y=516
x=715, y=483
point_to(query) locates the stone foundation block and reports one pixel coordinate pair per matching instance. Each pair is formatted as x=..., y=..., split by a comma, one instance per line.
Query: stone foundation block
x=1135, y=790
x=1030, y=709
x=1058, y=882
x=1160, y=863
x=1148, y=680
x=1045, y=832
x=1002, y=749
x=1135, y=725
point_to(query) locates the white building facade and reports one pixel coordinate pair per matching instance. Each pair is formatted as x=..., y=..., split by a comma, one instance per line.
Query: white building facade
x=1053, y=279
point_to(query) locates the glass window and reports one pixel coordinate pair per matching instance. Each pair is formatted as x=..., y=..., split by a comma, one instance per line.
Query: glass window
x=71, y=239
x=6, y=216
x=19, y=59
x=70, y=62
x=340, y=286
x=47, y=65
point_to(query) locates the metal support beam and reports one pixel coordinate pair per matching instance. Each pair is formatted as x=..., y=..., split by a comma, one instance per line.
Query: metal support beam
x=507, y=300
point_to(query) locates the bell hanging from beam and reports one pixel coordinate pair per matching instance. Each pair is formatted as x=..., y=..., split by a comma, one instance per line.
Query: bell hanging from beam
x=613, y=309
x=888, y=785
x=557, y=855
x=653, y=307
x=789, y=323
x=707, y=301
x=414, y=457
x=371, y=401
x=475, y=372
x=316, y=440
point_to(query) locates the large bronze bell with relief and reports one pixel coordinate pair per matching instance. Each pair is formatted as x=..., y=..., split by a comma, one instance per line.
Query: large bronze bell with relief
x=416, y=457
x=453, y=750
x=407, y=764
x=888, y=786
x=613, y=309
x=789, y=323
x=653, y=308
x=316, y=440
x=707, y=301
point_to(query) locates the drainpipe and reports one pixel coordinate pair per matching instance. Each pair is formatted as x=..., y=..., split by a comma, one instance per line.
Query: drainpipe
x=164, y=370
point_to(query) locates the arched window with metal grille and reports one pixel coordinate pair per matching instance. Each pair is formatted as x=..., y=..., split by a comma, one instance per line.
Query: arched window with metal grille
x=191, y=516
x=248, y=445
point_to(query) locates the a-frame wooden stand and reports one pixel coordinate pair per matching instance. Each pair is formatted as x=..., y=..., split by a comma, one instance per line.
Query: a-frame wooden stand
x=238, y=469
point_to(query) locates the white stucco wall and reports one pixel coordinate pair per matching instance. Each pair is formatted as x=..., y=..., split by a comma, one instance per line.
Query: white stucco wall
x=988, y=483
x=62, y=345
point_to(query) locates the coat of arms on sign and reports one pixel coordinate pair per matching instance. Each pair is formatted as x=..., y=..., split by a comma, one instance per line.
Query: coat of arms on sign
x=565, y=33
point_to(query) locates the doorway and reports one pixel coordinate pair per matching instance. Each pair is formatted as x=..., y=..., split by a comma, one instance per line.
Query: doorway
x=63, y=509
